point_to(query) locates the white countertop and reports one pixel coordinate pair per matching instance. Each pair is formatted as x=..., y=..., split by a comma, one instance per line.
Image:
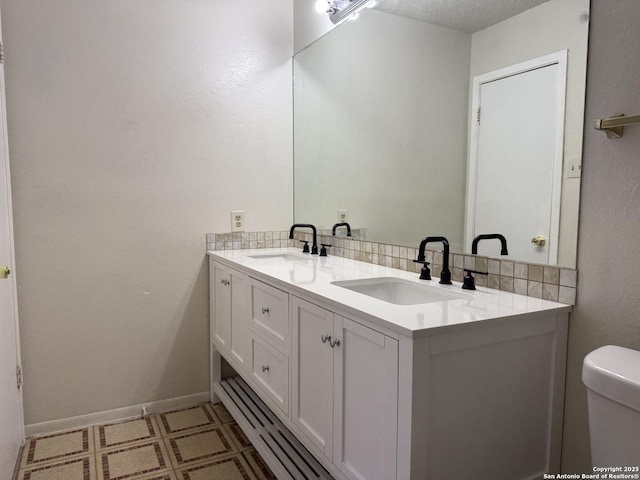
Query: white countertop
x=312, y=277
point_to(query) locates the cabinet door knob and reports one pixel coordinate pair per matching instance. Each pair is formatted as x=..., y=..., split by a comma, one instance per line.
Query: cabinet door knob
x=265, y=310
x=326, y=338
x=334, y=343
x=265, y=368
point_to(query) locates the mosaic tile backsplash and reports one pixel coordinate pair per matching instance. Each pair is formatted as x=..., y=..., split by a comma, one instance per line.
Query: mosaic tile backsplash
x=540, y=281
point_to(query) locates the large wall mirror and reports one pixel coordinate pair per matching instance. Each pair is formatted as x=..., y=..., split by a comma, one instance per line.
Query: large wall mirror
x=450, y=118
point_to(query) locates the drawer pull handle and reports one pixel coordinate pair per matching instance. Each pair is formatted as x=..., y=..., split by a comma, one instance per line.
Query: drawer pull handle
x=326, y=338
x=224, y=281
x=265, y=368
x=265, y=310
x=334, y=343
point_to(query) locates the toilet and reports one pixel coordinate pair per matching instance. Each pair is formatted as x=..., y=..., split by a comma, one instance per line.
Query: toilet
x=612, y=377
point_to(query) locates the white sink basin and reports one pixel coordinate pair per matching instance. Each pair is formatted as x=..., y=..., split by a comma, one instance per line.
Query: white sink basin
x=401, y=292
x=288, y=257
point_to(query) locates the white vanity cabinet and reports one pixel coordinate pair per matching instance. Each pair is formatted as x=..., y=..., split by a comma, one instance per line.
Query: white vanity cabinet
x=344, y=389
x=230, y=313
x=457, y=390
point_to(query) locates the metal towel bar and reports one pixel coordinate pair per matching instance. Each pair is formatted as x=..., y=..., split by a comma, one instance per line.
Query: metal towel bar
x=614, y=127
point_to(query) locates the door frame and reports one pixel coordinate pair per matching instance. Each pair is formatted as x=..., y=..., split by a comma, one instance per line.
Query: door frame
x=4, y=163
x=557, y=58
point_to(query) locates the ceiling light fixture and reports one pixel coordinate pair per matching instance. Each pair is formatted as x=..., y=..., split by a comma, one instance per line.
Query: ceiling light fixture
x=338, y=10
x=325, y=6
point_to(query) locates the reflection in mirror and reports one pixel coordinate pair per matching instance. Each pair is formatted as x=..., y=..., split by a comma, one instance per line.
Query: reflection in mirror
x=386, y=127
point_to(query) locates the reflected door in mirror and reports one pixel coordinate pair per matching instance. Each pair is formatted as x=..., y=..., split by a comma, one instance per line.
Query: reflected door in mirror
x=517, y=161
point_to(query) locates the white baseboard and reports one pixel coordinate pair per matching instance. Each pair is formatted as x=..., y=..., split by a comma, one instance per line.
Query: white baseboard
x=124, y=413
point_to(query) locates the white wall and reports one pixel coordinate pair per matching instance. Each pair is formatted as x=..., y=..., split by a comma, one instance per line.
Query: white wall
x=553, y=26
x=608, y=309
x=134, y=129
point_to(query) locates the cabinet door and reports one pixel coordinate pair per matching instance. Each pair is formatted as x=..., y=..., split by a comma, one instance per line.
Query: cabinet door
x=366, y=402
x=240, y=313
x=219, y=298
x=312, y=373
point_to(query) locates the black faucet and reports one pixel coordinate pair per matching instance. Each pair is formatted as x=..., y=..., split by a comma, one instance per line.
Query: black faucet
x=469, y=283
x=445, y=276
x=342, y=224
x=489, y=236
x=314, y=247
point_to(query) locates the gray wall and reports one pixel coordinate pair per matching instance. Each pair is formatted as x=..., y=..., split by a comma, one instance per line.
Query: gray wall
x=608, y=310
x=135, y=127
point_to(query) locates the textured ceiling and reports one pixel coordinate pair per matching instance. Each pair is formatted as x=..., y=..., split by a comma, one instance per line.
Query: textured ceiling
x=466, y=15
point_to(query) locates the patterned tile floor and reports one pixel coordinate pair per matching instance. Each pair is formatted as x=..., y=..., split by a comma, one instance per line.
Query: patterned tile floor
x=197, y=443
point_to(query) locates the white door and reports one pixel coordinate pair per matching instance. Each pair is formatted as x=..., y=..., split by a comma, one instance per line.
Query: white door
x=11, y=418
x=516, y=165
x=312, y=373
x=219, y=306
x=240, y=314
x=365, y=419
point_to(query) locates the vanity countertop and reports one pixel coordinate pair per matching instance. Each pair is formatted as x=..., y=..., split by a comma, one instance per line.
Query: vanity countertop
x=312, y=277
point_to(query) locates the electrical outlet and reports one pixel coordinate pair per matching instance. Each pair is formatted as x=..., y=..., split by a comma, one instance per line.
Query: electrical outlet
x=343, y=216
x=237, y=221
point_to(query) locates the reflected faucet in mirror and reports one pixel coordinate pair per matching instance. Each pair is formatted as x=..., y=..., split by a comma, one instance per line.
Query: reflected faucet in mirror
x=490, y=236
x=425, y=274
x=342, y=224
x=314, y=247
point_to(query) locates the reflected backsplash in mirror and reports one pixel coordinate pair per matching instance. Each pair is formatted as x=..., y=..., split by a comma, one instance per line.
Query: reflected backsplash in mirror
x=386, y=127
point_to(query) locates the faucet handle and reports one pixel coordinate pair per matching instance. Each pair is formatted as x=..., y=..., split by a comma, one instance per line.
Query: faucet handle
x=425, y=273
x=469, y=283
x=305, y=249
x=323, y=250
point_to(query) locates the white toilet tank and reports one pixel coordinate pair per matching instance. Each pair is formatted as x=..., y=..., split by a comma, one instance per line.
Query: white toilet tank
x=612, y=377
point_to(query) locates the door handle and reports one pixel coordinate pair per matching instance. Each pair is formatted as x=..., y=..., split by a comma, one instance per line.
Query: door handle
x=4, y=271
x=539, y=241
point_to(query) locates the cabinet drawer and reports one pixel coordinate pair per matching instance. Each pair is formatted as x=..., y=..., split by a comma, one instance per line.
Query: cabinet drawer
x=270, y=313
x=270, y=370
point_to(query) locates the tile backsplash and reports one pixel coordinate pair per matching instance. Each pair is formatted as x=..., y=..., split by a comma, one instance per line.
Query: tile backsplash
x=540, y=281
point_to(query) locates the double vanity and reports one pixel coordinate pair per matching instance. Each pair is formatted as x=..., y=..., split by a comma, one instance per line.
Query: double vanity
x=380, y=375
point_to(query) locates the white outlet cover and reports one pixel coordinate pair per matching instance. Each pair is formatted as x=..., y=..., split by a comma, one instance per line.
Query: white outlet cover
x=237, y=221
